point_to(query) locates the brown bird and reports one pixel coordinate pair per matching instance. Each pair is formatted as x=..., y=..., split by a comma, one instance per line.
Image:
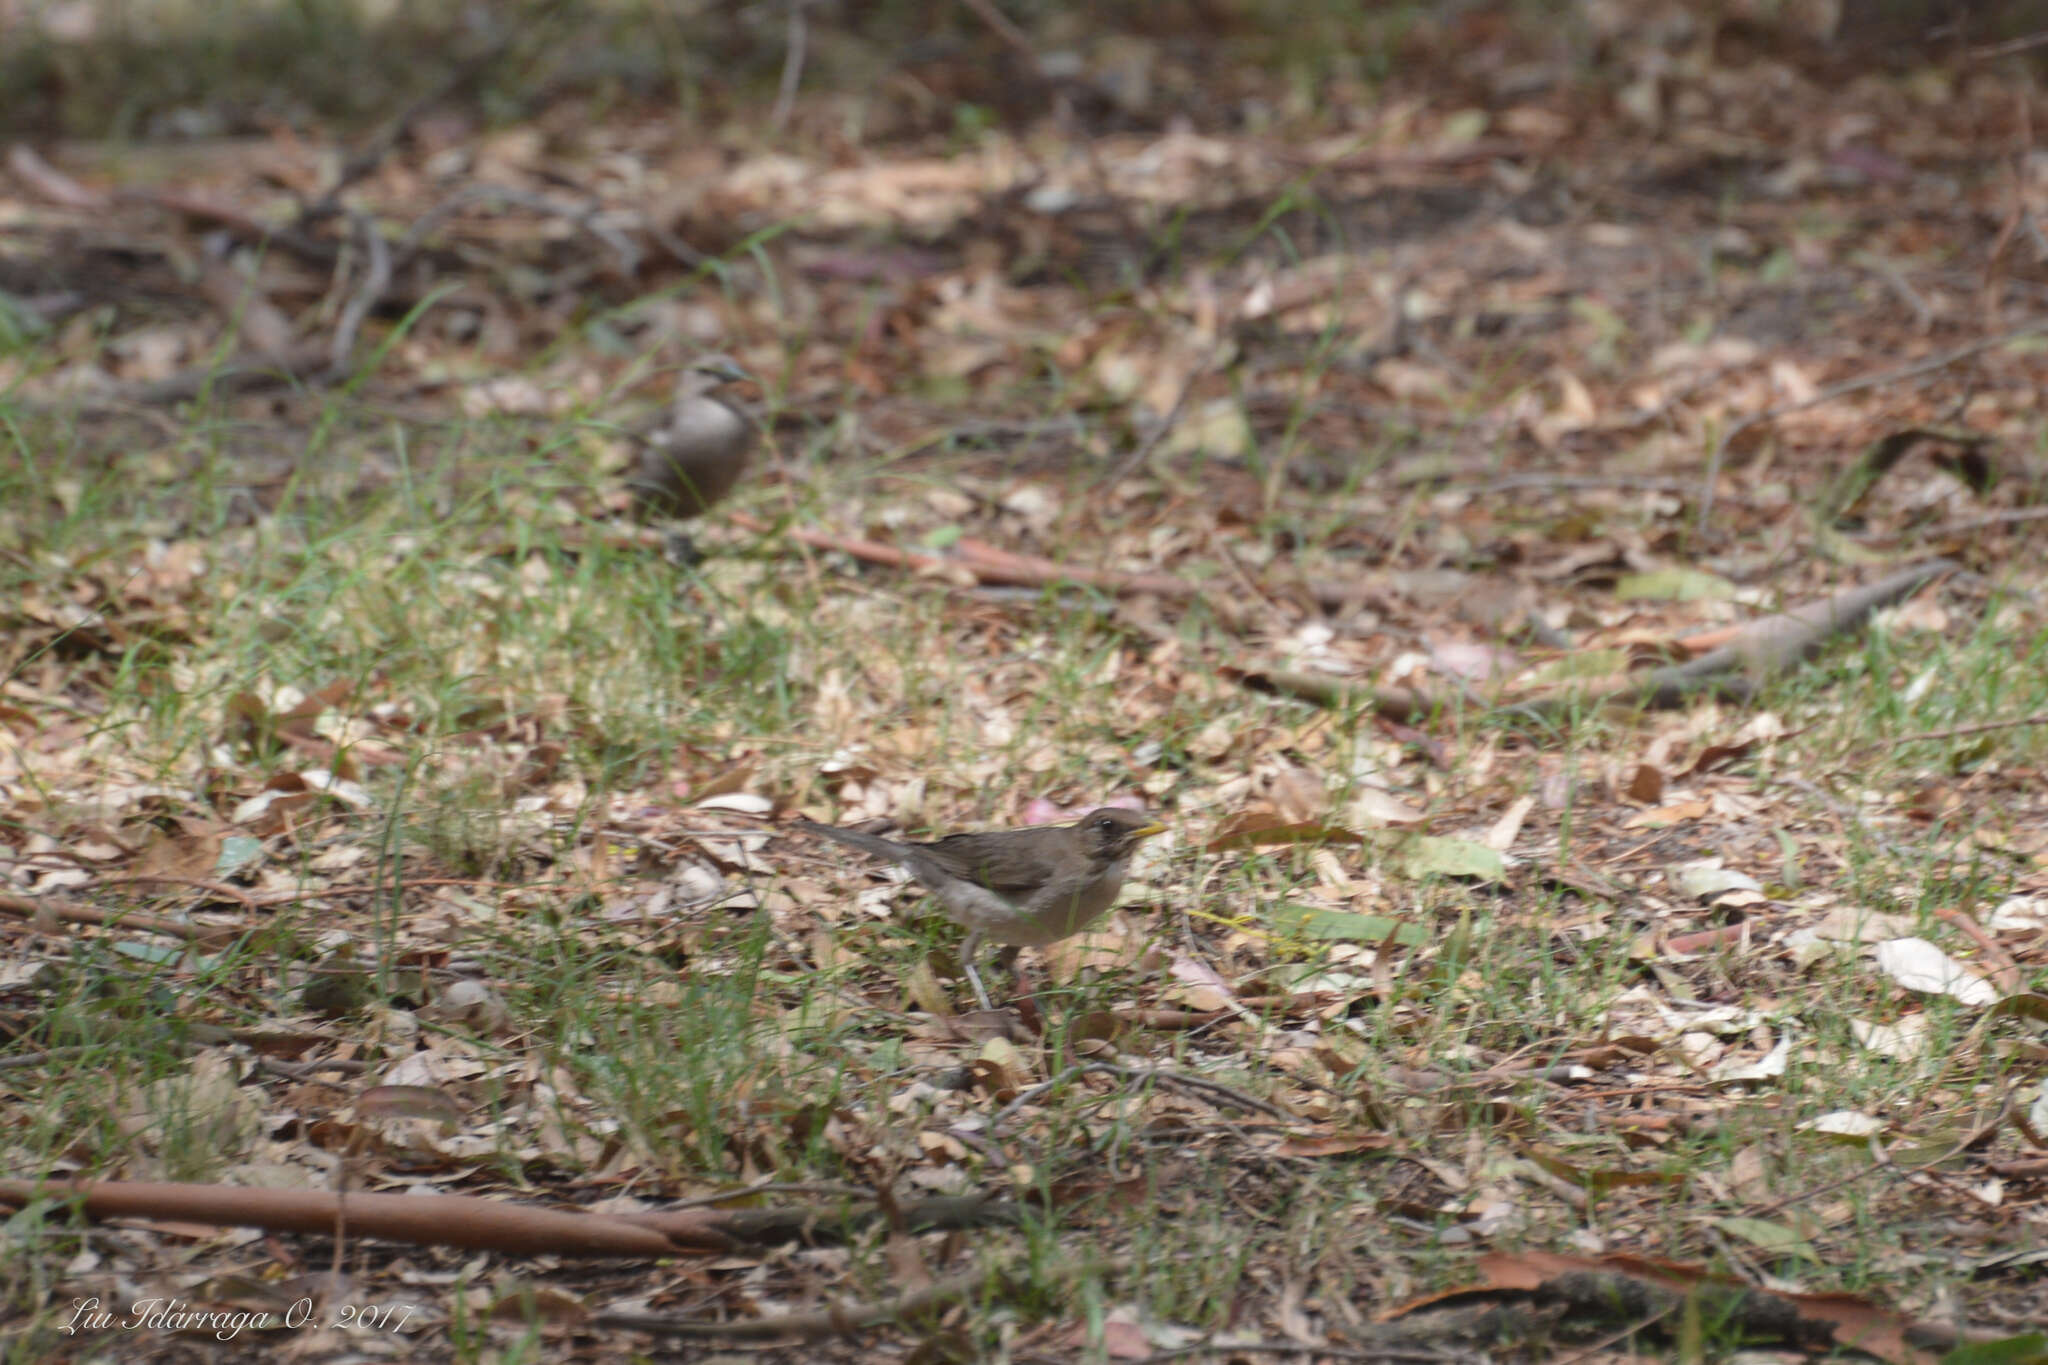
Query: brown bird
x=1026, y=887
x=692, y=459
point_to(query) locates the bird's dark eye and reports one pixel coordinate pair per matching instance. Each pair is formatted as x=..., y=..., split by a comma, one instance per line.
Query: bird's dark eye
x=1105, y=824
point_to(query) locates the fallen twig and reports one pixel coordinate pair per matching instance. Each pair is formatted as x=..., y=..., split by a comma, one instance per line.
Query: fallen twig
x=1961, y=731
x=211, y=887
x=243, y=224
x=2009, y=517
x=52, y=184
x=1761, y=649
x=69, y=912
x=1214, y=1092
x=792, y=67
x=425, y=1220
x=1766, y=647
x=478, y=1224
x=368, y=293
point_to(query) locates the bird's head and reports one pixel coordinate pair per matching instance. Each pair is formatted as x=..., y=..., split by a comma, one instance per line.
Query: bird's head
x=1112, y=832
x=709, y=372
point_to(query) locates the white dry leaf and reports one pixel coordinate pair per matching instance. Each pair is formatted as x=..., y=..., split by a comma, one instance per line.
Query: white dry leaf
x=1767, y=725
x=1902, y=1041
x=744, y=803
x=1472, y=660
x=340, y=858
x=429, y=1069
x=1031, y=503
x=1701, y=1050
x=1406, y=664
x=1501, y=836
x=1708, y=879
x=2019, y=912
x=1792, y=382
x=1373, y=808
x=1218, y=429
x=1768, y=1067
x=470, y=1003
x=1200, y=986
x=1805, y=948
x=1298, y=794
x=876, y=902
x=1330, y=871
x=695, y=884
x=1849, y=1123
x=1686, y=357
x=352, y=794
x=1749, y=1174
x=1348, y=985
x=1213, y=741
x=1492, y=1213
x=1918, y=965
x=1920, y=686
x=1727, y=1021
x=247, y=812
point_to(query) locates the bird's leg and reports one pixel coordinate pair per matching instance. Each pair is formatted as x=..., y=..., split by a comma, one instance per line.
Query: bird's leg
x=967, y=952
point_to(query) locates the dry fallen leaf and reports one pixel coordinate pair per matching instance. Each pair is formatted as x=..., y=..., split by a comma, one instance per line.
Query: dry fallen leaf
x=1918, y=965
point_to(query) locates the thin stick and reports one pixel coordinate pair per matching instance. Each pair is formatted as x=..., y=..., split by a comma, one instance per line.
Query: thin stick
x=1957, y=528
x=792, y=67
x=1237, y=569
x=1212, y=1091
x=999, y=23
x=1958, y=731
x=65, y=912
x=1136, y=459
x=369, y=293
x=2004, y=973
x=2010, y=47
x=221, y=889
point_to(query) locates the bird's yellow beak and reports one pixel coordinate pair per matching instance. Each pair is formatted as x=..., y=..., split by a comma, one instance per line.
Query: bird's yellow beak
x=1147, y=831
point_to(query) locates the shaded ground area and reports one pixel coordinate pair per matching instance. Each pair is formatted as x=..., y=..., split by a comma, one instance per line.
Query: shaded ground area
x=1316, y=452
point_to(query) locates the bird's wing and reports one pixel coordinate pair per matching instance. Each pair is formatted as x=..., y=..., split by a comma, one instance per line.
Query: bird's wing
x=1004, y=866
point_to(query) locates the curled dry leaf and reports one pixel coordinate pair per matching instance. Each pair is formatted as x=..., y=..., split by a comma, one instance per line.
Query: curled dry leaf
x=1918, y=965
